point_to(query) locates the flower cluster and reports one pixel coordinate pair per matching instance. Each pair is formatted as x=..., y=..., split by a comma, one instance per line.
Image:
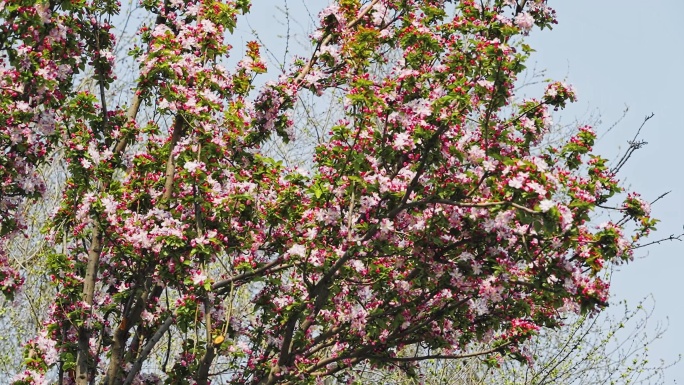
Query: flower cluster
x=10, y=279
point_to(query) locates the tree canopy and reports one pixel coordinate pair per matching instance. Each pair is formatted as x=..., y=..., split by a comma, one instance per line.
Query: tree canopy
x=431, y=215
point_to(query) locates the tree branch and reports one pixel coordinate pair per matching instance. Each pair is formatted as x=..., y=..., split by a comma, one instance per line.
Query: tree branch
x=441, y=356
x=326, y=39
x=147, y=349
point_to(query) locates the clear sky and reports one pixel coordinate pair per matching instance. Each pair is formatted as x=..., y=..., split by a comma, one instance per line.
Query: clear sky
x=617, y=54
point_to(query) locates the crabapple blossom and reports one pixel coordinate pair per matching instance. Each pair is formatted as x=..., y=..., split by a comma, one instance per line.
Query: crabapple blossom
x=525, y=21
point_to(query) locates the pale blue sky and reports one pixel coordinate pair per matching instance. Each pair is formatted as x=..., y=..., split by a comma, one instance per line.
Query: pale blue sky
x=616, y=53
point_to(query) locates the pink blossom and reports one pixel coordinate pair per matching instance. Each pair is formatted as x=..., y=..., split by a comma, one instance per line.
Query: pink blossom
x=524, y=21
x=198, y=277
x=297, y=250
x=86, y=163
x=193, y=166
x=403, y=141
x=546, y=205
x=518, y=181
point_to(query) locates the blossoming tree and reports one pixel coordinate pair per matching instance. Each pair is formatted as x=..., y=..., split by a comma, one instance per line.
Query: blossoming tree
x=431, y=216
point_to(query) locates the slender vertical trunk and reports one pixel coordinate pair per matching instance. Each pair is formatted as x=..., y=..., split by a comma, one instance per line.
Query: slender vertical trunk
x=83, y=359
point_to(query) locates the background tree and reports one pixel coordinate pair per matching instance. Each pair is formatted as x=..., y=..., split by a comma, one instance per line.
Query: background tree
x=431, y=216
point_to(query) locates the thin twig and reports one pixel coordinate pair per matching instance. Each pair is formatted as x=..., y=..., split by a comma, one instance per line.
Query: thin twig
x=659, y=241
